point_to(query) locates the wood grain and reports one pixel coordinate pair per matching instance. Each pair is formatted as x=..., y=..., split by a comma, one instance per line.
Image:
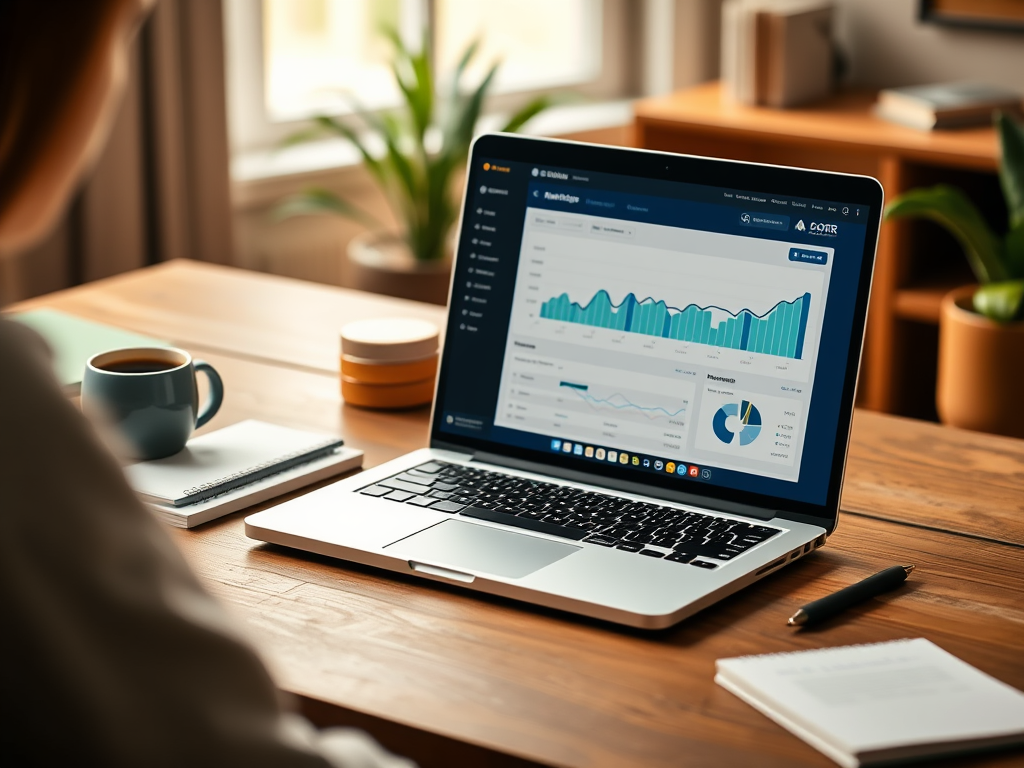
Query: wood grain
x=455, y=678
x=844, y=120
x=560, y=691
x=210, y=307
x=921, y=473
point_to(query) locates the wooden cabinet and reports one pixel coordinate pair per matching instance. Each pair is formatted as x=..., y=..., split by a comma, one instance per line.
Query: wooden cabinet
x=917, y=261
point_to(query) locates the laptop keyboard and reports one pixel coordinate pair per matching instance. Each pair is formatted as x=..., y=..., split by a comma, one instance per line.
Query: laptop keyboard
x=647, y=529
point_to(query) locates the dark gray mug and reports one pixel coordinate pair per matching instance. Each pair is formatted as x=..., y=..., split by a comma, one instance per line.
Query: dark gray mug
x=149, y=395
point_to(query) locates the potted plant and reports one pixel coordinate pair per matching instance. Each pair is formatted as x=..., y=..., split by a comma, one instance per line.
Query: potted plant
x=981, y=328
x=425, y=146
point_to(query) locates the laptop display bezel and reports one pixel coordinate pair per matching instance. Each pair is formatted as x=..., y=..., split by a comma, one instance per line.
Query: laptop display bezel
x=778, y=180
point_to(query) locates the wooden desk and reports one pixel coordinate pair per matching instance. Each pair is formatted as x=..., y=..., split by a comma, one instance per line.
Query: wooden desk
x=917, y=262
x=453, y=678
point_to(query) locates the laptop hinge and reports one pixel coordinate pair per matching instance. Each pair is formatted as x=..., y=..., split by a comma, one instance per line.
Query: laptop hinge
x=747, y=510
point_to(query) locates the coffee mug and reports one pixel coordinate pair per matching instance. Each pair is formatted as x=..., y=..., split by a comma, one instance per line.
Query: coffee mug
x=149, y=396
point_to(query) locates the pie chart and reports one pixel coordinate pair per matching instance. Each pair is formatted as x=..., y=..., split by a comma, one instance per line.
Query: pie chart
x=745, y=424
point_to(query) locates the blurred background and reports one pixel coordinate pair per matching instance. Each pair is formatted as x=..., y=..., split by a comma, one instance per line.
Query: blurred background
x=195, y=166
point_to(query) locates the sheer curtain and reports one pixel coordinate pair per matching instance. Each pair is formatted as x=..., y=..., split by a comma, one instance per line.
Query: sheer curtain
x=160, y=190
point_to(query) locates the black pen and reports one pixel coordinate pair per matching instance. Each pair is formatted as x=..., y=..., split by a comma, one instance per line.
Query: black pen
x=848, y=597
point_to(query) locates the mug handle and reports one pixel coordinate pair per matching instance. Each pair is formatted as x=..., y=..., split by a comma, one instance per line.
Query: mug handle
x=216, y=397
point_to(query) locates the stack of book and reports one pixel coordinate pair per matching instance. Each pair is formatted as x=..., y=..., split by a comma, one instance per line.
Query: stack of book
x=777, y=52
x=945, y=105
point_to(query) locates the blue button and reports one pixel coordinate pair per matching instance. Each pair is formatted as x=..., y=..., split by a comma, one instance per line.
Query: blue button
x=808, y=256
x=764, y=220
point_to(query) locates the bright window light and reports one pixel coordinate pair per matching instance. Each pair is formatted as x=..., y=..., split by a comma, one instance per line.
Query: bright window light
x=541, y=43
x=320, y=55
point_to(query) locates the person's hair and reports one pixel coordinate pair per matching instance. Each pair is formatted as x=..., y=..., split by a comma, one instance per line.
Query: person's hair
x=58, y=69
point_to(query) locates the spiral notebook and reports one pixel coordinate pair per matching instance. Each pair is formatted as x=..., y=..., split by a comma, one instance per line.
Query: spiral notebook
x=878, y=704
x=236, y=467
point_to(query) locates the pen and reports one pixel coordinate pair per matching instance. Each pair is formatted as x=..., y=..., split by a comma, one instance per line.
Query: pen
x=848, y=597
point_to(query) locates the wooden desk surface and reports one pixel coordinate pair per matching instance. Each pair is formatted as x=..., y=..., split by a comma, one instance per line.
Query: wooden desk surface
x=456, y=678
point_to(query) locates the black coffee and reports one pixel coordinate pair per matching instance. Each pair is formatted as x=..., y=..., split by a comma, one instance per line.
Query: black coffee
x=139, y=365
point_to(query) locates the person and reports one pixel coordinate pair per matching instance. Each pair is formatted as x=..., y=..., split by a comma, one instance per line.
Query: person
x=113, y=653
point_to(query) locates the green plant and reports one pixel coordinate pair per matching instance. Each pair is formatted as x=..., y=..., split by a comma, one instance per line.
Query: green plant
x=997, y=262
x=417, y=181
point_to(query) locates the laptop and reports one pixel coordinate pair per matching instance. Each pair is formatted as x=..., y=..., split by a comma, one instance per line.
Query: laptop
x=645, y=391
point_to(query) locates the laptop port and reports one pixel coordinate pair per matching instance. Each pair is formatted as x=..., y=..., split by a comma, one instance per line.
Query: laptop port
x=820, y=541
x=794, y=554
x=768, y=567
x=807, y=547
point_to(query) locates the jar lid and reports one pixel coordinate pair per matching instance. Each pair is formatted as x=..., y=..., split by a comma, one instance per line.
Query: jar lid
x=389, y=339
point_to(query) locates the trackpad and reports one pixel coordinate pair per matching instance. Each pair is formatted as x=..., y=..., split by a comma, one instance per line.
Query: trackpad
x=480, y=549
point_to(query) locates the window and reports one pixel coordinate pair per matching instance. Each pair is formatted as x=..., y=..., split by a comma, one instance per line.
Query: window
x=290, y=59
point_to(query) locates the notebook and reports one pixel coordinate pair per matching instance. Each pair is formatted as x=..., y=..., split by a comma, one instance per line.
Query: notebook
x=74, y=341
x=236, y=467
x=883, y=703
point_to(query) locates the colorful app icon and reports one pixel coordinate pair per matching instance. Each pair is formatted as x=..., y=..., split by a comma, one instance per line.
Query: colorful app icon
x=670, y=467
x=589, y=451
x=577, y=450
x=556, y=445
x=613, y=455
x=659, y=464
x=636, y=461
x=694, y=471
x=647, y=462
x=566, y=447
x=599, y=454
x=706, y=474
x=623, y=458
x=681, y=469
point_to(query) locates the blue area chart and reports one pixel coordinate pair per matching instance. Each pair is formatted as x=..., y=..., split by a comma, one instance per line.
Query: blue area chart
x=780, y=331
x=749, y=422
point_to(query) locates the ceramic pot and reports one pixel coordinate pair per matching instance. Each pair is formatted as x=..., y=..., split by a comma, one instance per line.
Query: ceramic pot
x=381, y=262
x=981, y=369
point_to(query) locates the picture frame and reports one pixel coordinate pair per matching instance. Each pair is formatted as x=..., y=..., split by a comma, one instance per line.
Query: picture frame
x=991, y=15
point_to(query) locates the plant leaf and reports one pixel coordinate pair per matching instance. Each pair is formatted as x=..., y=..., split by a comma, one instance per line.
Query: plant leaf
x=1011, y=168
x=949, y=207
x=319, y=201
x=1002, y=302
x=1013, y=249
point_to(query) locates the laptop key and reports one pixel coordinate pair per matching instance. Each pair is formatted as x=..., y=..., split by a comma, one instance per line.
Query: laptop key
x=629, y=546
x=440, y=495
x=399, y=496
x=651, y=553
x=400, y=485
x=440, y=485
x=421, y=501
x=446, y=506
x=680, y=557
x=431, y=467
x=413, y=477
x=375, y=490
x=522, y=522
x=703, y=564
x=604, y=541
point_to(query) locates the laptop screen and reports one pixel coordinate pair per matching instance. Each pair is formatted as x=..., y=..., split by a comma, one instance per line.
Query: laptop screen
x=688, y=335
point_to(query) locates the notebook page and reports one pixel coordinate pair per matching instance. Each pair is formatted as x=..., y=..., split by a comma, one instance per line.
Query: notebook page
x=877, y=697
x=217, y=455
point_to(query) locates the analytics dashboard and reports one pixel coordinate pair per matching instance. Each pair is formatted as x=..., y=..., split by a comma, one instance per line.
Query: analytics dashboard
x=661, y=327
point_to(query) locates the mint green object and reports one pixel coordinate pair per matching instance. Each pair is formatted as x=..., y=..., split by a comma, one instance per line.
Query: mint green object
x=74, y=341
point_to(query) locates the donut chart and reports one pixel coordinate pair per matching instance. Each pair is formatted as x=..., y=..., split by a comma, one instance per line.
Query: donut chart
x=748, y=421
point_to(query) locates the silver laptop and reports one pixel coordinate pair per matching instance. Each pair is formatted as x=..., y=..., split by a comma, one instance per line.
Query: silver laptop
x=646, y=387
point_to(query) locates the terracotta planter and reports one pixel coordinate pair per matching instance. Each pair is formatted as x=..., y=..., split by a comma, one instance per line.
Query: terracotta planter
x=382, y=263
x=981, y=369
